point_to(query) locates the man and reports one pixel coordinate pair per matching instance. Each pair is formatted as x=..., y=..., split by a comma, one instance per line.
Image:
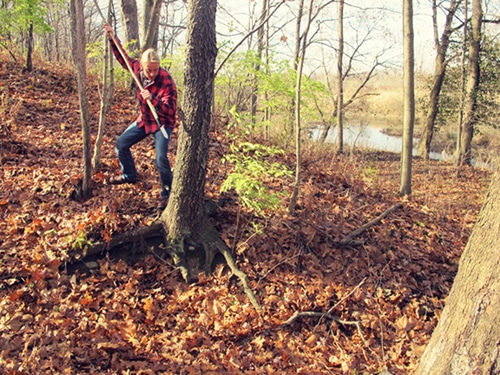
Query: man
x=160, y=89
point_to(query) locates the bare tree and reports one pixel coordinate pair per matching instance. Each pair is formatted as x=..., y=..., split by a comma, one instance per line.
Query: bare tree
x=409, y=98
x=260, y=48
x=151, y=25
x=471, y=89
x=106, y=95
x=79, y=57
x=340, y=87
x=441, y=46
x=194, y=239
x=298, y=130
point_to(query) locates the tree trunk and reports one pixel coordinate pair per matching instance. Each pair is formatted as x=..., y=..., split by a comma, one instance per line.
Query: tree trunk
x=29, y=53
x=257, y=65
x=463, y=59
x=298, y=126
x=184, y=214
x=340, y=87
x=131, y=22
x=151, y=23
x=79, y=57
x=106, y=97
x=467, y=338
x=409, y=99
x=439, y=73
x=151, y=31
x=472, y=84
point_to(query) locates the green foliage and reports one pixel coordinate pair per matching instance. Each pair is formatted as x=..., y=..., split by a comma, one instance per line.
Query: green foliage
x=370, y=173
x=275, y=83
x=81, y=242
x=18, y=15
x=251, y=169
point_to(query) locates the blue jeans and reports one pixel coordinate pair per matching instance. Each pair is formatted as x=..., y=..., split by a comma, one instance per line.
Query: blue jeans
x=132, y=135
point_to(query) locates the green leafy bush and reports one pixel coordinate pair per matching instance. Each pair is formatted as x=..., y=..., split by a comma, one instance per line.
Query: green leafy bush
x=252, y=168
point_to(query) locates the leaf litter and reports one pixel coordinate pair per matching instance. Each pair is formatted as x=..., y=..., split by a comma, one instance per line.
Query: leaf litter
x=141, y=318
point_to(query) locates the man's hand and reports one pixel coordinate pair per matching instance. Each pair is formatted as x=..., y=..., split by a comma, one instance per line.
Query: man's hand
x=146, y=95
x=108, y=30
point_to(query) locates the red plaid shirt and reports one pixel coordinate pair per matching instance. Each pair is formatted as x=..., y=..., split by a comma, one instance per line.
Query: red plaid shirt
x=163, y=91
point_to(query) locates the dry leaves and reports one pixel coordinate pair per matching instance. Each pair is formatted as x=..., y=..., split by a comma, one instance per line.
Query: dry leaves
x=141, y=318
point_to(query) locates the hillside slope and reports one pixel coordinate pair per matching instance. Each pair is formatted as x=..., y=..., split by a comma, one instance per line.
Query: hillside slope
x=384, y=293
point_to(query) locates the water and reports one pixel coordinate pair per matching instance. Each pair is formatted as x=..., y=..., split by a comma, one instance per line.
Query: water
x=368, y=137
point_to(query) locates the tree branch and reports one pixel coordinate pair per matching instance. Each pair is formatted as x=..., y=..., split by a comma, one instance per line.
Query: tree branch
x=348, y=239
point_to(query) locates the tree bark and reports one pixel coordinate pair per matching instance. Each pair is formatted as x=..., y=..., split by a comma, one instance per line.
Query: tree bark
x=298, y=126
x=438, y=78
x=409, y=99
x=78, y=28
x=257, y=65
x=106, y=97
x=151, y=23
x=472, y=84
x=131, y=22
x=29, y=52
x=467, y=338
x=151, y=28
x=184, y=212
x=340, y=86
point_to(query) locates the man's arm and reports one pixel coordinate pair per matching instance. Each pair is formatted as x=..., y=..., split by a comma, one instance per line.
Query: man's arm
x=115, y=45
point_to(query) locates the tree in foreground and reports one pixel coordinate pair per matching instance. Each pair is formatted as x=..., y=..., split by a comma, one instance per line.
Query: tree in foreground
x=194, y=241
x=466, y=340
x=185, y=209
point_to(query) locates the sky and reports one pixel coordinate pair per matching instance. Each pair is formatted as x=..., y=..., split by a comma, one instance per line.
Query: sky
x=378, y=22
x=382, y=23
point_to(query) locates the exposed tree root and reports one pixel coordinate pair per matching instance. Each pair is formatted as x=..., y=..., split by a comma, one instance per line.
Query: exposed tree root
x=137, y=235
x=206, y=236
x=213, y=244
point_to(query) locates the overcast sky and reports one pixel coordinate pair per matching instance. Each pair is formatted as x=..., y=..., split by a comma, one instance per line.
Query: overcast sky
x=382, y=23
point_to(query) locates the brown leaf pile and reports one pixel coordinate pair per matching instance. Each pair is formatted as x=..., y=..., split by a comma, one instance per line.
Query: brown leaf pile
x=384, y=294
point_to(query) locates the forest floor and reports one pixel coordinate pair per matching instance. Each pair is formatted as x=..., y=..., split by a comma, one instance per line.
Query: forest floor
x=381, y=295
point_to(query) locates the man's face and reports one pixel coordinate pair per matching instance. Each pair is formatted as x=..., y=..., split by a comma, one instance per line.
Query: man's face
x=150, y=69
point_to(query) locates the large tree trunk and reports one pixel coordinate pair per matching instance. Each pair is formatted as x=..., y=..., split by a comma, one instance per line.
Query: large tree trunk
x=472, y=84
x=131, y=21
x=467, y=338
x=194, y=240
x=409, y=99
x=184, y=213
x=438, y=78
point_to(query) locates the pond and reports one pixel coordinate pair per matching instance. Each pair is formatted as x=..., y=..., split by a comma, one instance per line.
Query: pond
x=369, y=137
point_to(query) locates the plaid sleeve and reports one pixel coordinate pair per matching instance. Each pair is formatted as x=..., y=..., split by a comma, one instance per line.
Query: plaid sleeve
x=133, y=62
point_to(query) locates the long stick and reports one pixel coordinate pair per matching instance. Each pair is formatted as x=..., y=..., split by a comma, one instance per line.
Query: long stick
x=136, y=79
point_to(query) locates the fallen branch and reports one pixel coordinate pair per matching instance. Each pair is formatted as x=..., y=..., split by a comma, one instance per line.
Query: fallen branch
x=314, y=314
x=347, y=240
